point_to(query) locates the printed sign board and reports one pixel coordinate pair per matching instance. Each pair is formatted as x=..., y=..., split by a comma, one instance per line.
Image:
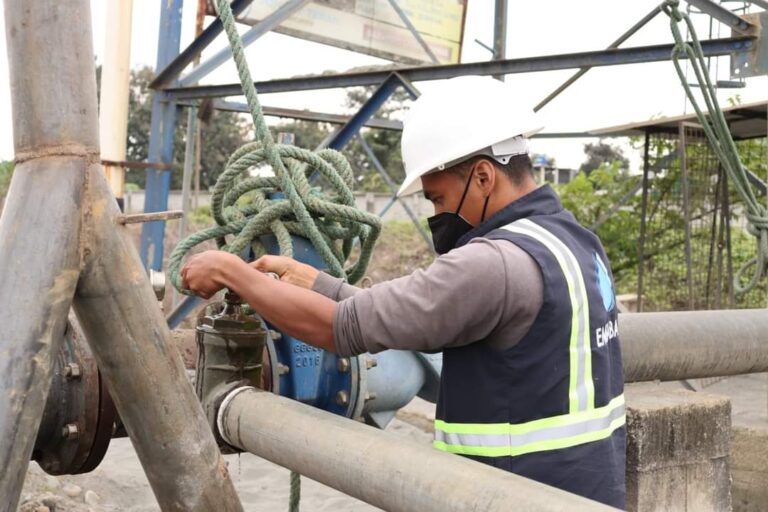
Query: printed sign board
x=373, y=27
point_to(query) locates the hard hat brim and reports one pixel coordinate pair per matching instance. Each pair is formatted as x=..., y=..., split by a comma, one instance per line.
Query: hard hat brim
x=412, y=184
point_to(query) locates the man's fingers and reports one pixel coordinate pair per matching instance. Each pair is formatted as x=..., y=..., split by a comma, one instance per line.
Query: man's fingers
x=269, y=263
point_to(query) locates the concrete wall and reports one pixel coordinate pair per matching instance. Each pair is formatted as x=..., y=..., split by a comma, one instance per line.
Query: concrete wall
x=678, y=448
x=749, y=468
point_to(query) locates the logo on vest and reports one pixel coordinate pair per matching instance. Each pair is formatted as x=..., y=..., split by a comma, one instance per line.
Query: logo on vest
x=604, y=284
x=607, y=333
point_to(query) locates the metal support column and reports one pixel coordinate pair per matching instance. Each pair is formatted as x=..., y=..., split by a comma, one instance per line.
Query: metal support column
x=162, y=130
x=55, y=139
x=380, y=96
x=75, y=245
x=643, y=222
x=500, y=33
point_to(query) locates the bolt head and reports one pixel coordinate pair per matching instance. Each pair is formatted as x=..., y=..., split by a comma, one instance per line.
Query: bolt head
x=70, y=431
x=282, y=369
x=72, y=371
x=342, y=398
x=343, y=364
x=275, y=335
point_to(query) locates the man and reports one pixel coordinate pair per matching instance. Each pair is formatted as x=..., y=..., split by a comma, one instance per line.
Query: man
x=520, y=300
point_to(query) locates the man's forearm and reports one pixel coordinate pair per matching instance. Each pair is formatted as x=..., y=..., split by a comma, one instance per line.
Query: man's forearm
x=300, y=313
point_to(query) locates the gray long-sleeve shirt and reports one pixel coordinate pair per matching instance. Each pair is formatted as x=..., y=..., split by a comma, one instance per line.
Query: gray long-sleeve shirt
x=487, y=289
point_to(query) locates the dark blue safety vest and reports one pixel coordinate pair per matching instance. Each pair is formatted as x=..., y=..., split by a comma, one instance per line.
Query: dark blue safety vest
x=551, y=408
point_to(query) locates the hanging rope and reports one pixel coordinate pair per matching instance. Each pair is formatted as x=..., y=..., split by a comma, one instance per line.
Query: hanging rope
x=246, y=207
x=720, y=139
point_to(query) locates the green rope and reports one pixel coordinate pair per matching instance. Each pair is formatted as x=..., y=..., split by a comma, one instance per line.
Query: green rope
x=246, y=208
x=720, y=139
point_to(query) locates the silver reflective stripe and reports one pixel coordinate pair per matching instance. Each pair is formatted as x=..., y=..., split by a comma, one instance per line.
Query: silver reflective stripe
x=583, y=388
x=602, y=422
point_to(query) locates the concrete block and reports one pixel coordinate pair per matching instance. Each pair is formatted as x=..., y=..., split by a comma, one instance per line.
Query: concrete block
x=749, y=468
x=678, y=447
x=674, y=427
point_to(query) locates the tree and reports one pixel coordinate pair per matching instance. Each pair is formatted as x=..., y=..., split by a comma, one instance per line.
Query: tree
x=593, y=198
x=221, y=134
x=385, y=144
x=602, y=153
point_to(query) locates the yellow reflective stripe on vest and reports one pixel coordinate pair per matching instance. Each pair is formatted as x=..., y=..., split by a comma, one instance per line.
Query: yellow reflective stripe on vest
x=581, y=390
x=508, y=440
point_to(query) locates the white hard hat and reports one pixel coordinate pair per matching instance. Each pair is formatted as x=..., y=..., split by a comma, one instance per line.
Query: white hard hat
x=462, y=117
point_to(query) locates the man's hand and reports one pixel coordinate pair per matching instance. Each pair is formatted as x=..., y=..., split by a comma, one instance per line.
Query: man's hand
x=205, y=273
x=288, y=269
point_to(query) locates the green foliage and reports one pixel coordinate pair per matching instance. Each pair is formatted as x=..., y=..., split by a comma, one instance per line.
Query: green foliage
x=221, y=134
x=201, y=216
x=592, y=199
x=600, y=154
x=6, y=171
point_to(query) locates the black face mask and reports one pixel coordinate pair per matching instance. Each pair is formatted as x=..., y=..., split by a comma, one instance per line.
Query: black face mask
x=447, y=228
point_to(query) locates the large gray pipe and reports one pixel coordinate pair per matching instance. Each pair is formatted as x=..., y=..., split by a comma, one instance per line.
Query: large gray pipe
x=375, y=466
x=55, y=141
x=693, y=344
x=60, y=237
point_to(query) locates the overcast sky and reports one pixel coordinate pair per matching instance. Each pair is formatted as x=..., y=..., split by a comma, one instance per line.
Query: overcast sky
x=604, y=97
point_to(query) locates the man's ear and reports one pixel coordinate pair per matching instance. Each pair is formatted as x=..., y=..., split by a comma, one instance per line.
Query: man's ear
x=485, y=176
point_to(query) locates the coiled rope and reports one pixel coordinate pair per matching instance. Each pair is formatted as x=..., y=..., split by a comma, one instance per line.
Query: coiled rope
x=247, y=207
x=720, y=140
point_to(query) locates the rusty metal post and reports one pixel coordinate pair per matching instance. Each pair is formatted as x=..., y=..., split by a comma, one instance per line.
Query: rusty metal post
x=128, y=335
x=55, y=140
x=61, y=237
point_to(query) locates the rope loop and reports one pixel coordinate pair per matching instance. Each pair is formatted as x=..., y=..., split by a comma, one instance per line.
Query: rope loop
x=247, y=205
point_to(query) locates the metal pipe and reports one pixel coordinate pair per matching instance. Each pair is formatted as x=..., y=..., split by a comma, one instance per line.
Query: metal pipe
x=55, y=140
x=115, y=78
x=161, y=134
x=620, y=56
x=131, y=342
x=500, y=33
x=377, y=467
x=693, y=344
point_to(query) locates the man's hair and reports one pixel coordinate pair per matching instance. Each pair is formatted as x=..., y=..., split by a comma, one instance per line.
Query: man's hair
x=517, y=169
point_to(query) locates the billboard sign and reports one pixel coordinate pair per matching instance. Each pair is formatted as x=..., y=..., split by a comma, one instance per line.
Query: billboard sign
x=373, y=27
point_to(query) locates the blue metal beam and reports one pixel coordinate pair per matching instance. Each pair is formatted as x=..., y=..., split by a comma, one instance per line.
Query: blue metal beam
x=366, y=112
x=253, y=34
x=620, y=56
x=162, y=129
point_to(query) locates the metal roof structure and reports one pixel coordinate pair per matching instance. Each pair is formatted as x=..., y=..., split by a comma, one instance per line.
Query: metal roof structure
x=747, y=121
